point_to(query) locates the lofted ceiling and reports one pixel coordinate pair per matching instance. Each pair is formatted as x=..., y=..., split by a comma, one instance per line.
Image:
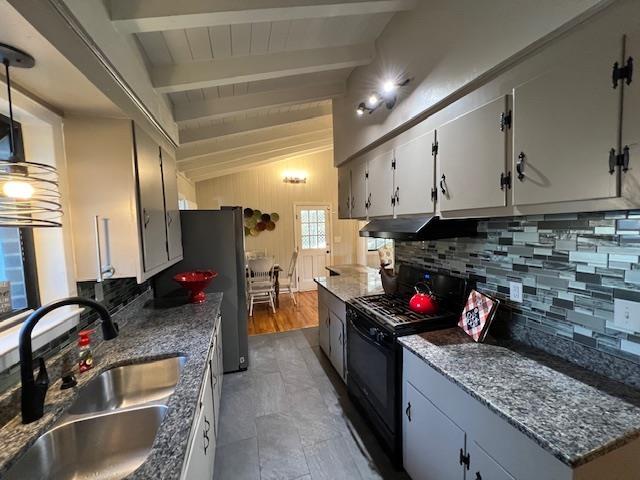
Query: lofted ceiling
x=251, y=81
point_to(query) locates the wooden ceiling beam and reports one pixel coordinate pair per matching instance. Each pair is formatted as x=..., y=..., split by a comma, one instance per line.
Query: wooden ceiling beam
x=256, y=123
x=135, y=16
x=232, y=70
x=251, y=102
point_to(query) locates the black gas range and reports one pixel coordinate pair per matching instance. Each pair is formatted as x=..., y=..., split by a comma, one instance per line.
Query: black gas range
x=374, y=357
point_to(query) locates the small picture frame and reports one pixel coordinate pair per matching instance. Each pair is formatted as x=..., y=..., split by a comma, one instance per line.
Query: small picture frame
x=478, y=314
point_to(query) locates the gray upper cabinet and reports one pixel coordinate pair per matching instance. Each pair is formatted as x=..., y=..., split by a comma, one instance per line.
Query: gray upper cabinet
x=631, y=123
x=414, y=176
x=380, y=185
x=565, y=122
x=344, y=191
x=358, y=188
x=150, y=188
x=472, y=153
x=174, y=232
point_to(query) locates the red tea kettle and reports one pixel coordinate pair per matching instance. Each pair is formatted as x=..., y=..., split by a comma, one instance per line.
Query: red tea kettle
x=423, y=301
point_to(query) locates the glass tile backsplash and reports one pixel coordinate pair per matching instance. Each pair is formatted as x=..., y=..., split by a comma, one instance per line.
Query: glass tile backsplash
x=573, y=268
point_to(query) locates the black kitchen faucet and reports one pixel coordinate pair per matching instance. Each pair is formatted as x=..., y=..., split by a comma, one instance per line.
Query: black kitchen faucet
x=34, y=390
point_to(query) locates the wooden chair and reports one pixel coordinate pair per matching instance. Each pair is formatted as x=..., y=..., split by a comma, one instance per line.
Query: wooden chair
x=287, y=282
x=261, y=282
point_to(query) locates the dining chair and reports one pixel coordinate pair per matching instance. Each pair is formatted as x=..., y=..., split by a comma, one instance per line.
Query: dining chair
x=249, y=254
x=261, y=282
x=287, y=282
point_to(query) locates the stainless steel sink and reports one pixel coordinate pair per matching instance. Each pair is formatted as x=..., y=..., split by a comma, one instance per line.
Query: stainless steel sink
x=129, y=386
x=105, y=447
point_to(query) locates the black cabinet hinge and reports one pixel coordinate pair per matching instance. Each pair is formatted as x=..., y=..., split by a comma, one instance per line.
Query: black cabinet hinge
x=434, y=148
x=366, y=175
x=393, y=163
x=434, y=194
x=505, y=181
x=619, y=159
x=505, y=120
x=624, y=72
x=465, y=459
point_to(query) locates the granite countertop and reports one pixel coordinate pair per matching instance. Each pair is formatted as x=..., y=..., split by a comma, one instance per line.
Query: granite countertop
x=149, y=330
x=352, y=282
x=574, y=414
x=351, y=269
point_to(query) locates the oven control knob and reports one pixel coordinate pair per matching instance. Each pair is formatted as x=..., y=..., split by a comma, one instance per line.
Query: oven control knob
x=380, y=337
x=373, y=332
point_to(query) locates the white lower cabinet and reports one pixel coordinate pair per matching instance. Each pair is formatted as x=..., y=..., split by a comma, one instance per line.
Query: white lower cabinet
x=431, y=442
x=338, y=334
x=482, y=466
x=201, y=455
x=332, y=318
x=202, y=442
x=324, y=322
x=447, y=434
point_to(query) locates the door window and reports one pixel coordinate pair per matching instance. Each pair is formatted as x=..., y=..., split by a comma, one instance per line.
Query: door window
x=313, y=228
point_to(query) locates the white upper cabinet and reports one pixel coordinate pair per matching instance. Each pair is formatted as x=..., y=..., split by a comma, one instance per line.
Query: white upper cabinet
x=631, y=121
x=123, y=200
x=471, y=158
x=565, y=122
x=174, y=231
x=344, y=191
x=358, y=188
x=150, y=190
x=413, y=178
x=380, y=185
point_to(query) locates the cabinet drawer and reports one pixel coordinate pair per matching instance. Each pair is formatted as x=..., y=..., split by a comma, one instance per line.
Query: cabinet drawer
x=514, y=451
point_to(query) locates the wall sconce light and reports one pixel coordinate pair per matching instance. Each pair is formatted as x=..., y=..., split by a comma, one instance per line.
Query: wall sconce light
x=388, y=97
x=294, y=177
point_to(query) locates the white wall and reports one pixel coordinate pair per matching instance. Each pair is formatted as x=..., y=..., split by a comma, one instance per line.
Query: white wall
x=263, y=188
x=442, y=45
x=44, y=142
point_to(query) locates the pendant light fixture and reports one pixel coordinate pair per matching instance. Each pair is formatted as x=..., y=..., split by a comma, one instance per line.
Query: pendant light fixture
x=29, y=191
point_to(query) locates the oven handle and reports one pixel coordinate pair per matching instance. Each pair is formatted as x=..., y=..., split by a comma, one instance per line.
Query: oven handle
x=367, y=337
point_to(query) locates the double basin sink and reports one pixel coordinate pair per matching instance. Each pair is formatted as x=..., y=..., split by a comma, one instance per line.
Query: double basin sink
x=109, y=430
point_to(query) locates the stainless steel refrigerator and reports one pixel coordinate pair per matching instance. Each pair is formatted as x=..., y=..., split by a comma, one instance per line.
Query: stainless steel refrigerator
x=214, y=240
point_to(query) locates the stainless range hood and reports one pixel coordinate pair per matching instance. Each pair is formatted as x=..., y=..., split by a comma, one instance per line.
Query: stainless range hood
x=428, y=227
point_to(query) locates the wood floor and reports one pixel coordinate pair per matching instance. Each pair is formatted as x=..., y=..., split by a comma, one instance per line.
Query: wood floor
x=287, y=317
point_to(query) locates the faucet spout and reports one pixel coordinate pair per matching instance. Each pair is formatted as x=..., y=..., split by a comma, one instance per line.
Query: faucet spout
x=34, y=390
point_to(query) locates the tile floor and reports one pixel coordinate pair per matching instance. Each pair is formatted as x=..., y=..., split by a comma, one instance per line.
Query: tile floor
x=289, y=417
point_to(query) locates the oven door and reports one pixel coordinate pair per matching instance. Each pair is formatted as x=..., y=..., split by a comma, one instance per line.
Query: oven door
x=371, y=367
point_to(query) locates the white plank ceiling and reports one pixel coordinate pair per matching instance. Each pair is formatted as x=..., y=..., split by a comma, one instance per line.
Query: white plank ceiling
x=253, y=69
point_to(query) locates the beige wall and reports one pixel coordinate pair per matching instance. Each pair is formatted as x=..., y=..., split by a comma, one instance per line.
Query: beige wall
x=187, y=191
x=263, y=188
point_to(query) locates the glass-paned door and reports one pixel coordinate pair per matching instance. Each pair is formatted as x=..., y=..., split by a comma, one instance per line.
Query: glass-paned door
x=313, y=240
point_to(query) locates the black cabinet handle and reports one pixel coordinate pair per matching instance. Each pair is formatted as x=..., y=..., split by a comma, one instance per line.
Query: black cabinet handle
x=520, y=166
x=442, y=184
x=408, y=411
x=465, y=459
x=478, y=476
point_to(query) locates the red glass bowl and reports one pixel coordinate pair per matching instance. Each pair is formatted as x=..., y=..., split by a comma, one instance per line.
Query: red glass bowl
x=195, y=282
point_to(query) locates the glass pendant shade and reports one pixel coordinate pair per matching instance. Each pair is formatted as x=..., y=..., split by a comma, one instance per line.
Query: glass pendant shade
x=29, y=191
